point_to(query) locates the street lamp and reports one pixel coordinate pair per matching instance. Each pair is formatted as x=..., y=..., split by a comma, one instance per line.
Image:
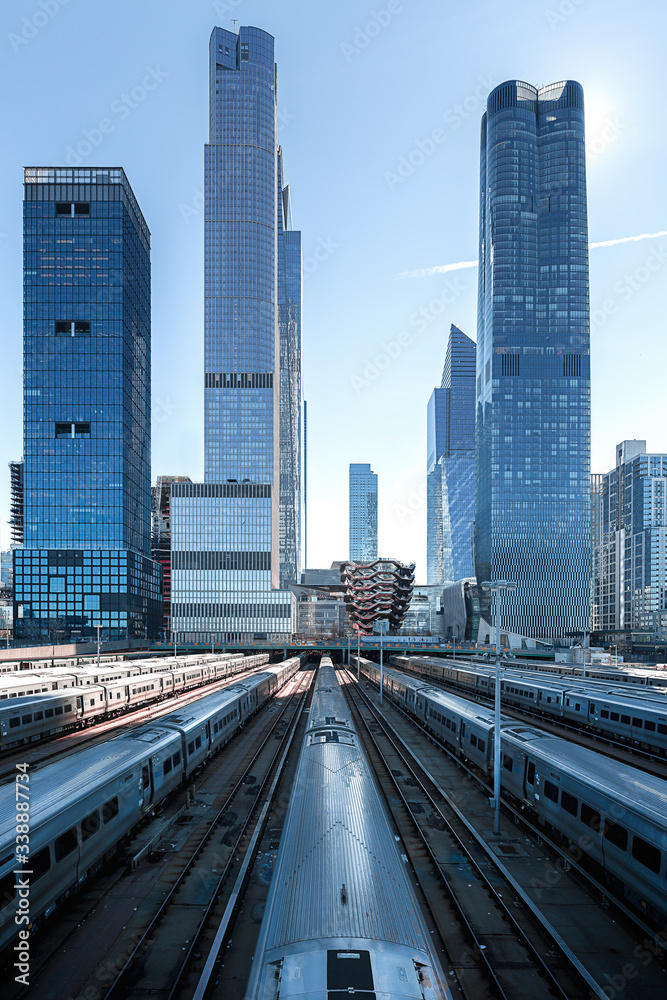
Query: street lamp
x=497, y=588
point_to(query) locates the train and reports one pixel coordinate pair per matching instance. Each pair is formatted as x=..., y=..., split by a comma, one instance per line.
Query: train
x=81, y=807
x=341, y=915
x=59, y=703
x=637, y=717
x=612, y=813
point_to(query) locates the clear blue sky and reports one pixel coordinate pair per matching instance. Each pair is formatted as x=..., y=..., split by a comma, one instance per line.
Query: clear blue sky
x=354, y=100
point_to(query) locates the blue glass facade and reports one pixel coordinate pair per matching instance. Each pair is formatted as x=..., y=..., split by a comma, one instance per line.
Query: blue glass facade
x=252, y=380
x=451, y=465
x=86, y=555
x=363, y=508
x=532, y=508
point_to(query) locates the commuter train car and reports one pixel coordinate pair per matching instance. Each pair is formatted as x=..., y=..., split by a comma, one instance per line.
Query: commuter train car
x=82, y=806
x=341, y=915
x=614, y=813
x=637, y=717
x=26, y=718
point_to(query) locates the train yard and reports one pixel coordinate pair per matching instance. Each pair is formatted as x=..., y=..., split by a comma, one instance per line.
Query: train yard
x=280, y=831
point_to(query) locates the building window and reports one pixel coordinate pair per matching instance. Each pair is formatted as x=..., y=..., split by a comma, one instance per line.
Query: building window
x=72, y=328
x=71, y=430
x=72, y=208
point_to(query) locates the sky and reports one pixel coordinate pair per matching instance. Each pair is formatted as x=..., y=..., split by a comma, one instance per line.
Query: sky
x=379, y=107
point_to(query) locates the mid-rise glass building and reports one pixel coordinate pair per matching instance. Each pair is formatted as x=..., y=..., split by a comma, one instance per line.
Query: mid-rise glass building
x=234, y=585
x=363, y=513
x=532, y=508
x=450, y=497
x=85, y=561
x=631, y=555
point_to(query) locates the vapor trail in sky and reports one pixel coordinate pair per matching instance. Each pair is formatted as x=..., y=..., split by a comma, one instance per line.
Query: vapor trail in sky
x=425, y=272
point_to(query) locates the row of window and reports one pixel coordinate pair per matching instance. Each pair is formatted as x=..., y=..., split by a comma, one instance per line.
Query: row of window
x=64, y=845
x=217, y=726
x=171, y=762
x=48, y=713
x=636, y=723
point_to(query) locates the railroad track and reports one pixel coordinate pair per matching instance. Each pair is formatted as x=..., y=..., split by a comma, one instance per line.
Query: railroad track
x=44, y=751
x=624, y=927
x=176, y=946
x=513, y=955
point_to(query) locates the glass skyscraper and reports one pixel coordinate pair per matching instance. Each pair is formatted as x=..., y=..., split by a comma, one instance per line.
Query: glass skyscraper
x=532, y=510
x=85, y=560
x=450, y=497
x=236, y=538
x=363, y=513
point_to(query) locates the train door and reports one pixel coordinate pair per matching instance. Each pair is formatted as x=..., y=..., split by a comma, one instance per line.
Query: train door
x=462, y=732
x=147, y=784
x=530, y=781
x=79, y=707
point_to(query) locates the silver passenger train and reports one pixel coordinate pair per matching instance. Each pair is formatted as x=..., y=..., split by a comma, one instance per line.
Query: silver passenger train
x=55, y=704
x=341, y=917
x=82, y=806
x=637, y=716
x=613, y=813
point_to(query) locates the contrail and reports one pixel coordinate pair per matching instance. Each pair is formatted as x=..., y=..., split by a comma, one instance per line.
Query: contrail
x=425, y=272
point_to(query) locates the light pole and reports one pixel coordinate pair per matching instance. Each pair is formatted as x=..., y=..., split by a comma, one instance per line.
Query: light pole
x=497, y=587
x=381, y=668
x=358, y=655
x=98, y=627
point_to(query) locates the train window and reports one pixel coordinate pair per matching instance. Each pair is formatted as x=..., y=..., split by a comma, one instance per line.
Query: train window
x=38, y=716
x=592, y=706
x=473, y=740
x=530, y=774
x=177, y=758
x=145, y=777
x=48, y=714
x=64, y=844
x=604, y=714
x=646, y=854
x=68, y=708
x=625, y=719
x=215, y=727
x=569, y=803
x=90, y=825
x=26, y=719
x=662, y=729
x=191, y=747
x=615, y=834
x=551, y=791
x=614, y=716
x=637, y=723
x=109, y=810
x=649, y=725
x=13, y=723
x=508, y=762
x=166, y=767
x=40, y=863
x=198, y=742
x=590, y=817
x=481, y=745
x=59, y=710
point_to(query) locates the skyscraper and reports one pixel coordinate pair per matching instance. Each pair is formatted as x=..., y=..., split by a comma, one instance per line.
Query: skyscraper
x=236, y=537
x=85, y=560
x=363, y=513
x=631, y=556
x=450, y=496
x=532, y=510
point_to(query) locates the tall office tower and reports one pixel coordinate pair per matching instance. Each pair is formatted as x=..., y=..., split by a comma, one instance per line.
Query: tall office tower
x=161, y=538
x=85, y=561
x=632, y=551
x=236, y=537
x=532, y=508
x=450, y=497
x=363, y=513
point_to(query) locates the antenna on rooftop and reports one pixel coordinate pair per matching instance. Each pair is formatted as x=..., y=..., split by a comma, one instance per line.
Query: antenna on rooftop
x=235, y=22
